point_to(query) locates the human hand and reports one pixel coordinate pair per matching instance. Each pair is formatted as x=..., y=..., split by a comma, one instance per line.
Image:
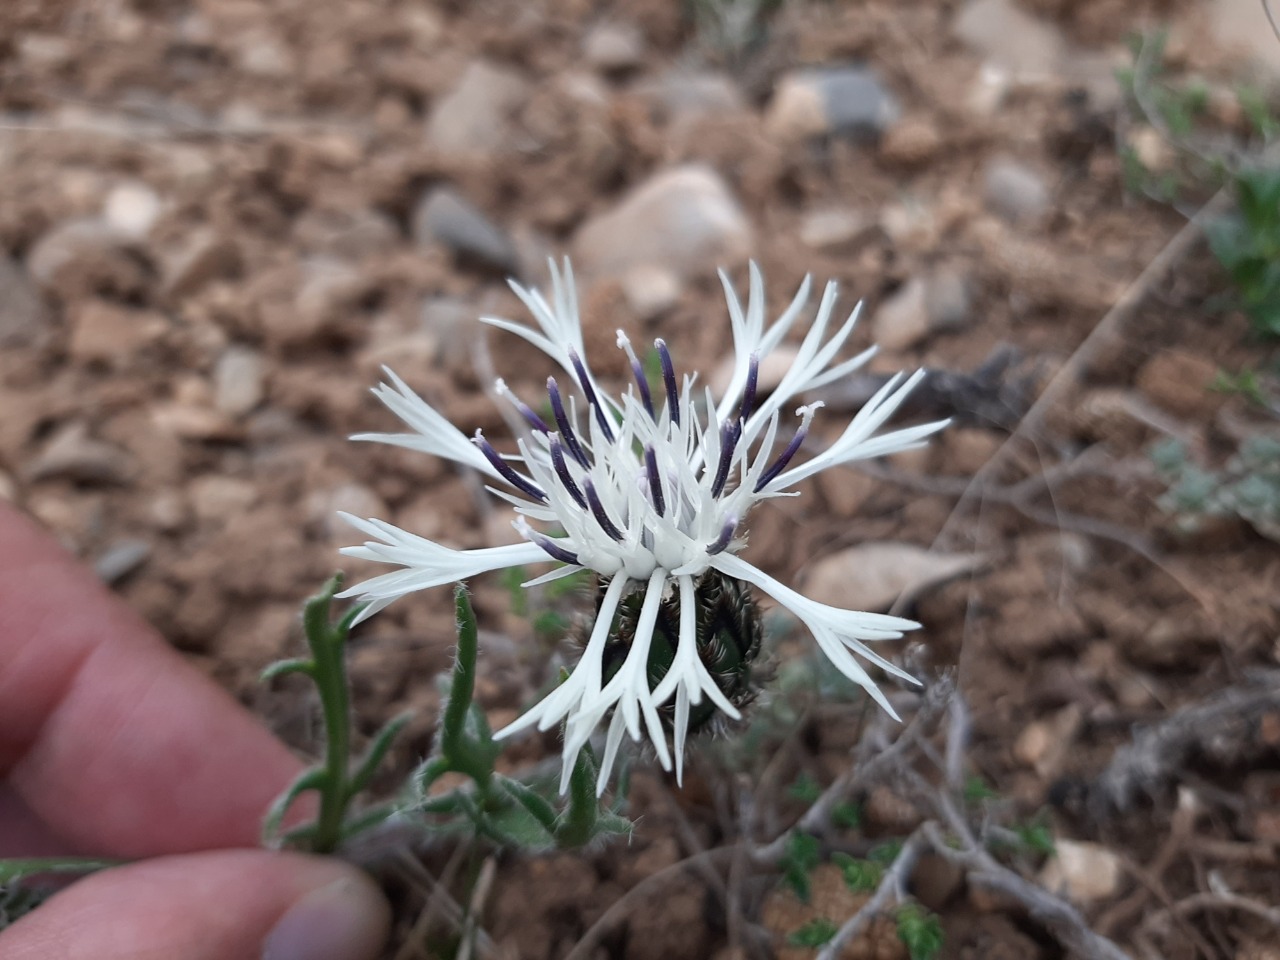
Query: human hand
x=112, y=745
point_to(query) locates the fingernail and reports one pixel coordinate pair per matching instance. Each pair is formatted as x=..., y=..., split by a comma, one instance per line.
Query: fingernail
x=347, y=920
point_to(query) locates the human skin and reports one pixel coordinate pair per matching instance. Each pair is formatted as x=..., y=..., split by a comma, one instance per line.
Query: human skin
x=112, y=745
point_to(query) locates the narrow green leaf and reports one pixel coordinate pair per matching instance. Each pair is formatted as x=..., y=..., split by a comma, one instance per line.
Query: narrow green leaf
x=284, y=667
x=15, y=869
x=314, y=778
x=376, y=753
x=537, y=805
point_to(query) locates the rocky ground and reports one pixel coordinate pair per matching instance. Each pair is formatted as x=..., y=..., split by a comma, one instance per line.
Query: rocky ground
x=218, y=219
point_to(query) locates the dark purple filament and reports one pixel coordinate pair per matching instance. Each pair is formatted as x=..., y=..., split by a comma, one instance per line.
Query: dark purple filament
x=729, y=435
x=552, y=549
x=655, y=482
x=669, y=379
x=642, y=382
x=726, y=534
x=562, y=471
x=783, y=459
x=513, y=478
x=602, y=518
x=602, y=415
x=749, y=394
x=562, y=421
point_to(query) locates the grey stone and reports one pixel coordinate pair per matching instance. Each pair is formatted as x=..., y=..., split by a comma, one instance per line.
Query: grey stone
x=848, y=101
x=451, y=323
x=475, y=116
x=614, y=46
x=445, y=216
x=935, y=302
x=87, y=253
x=71, y=454
x=1026, y=47
x=682, y=218
x=121, y=559
x=1014, y=191
x=24, y=318
x=238, y=381
x=685, y=94
x=948, y=301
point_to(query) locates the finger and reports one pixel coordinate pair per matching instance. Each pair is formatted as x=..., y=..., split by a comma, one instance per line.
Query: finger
x=229, y=905
x=106, y=733
x=22, y=833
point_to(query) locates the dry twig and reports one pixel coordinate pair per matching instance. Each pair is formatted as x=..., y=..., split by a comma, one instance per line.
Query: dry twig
x=892, y=888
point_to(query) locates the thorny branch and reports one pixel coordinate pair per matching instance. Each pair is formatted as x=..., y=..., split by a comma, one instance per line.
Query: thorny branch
x=1220, y=726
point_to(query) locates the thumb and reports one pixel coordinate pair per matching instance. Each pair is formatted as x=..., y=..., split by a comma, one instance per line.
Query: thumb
x=226, y=905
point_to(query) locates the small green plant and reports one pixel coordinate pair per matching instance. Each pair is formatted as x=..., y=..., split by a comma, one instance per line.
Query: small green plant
x=920, y=930
x=813, y=934
x=336, y=779
x=805, y=789
x=1247, y=244
x=860, y=876
x=1248, y=485
x=802, y=855
x=1036, y=836
x=1248, y=383
x=977, y=790
x=847, y=815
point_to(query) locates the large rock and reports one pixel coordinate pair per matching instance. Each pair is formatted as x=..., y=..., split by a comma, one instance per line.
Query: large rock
x=1241, y=27
x=1026, y=47
x=871, y=576
x=682, y=218
x=830, y=100
x=475, y=116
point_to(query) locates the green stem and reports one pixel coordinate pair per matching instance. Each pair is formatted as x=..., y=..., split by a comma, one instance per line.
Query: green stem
x=326, y=643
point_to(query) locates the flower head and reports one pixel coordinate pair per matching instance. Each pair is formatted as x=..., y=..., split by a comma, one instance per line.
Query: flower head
x=649, y=489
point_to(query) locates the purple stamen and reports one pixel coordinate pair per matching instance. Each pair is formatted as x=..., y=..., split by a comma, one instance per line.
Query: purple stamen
x=562, y=471
x=602, y=416
x=729, y=435
x=783, y=459
x=552, y=549
x=602, y=518
x=749, y=394
x=655, y=482
x=532, y=417
x=646, y=398
x=669, y=378
x=508, y=474
x=726, y=534
x=562, y=421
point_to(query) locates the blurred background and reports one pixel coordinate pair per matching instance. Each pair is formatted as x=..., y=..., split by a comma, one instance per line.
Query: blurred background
x=219, y=218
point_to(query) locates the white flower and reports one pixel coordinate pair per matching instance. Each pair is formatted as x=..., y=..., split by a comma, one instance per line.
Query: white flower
x=650, y=492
